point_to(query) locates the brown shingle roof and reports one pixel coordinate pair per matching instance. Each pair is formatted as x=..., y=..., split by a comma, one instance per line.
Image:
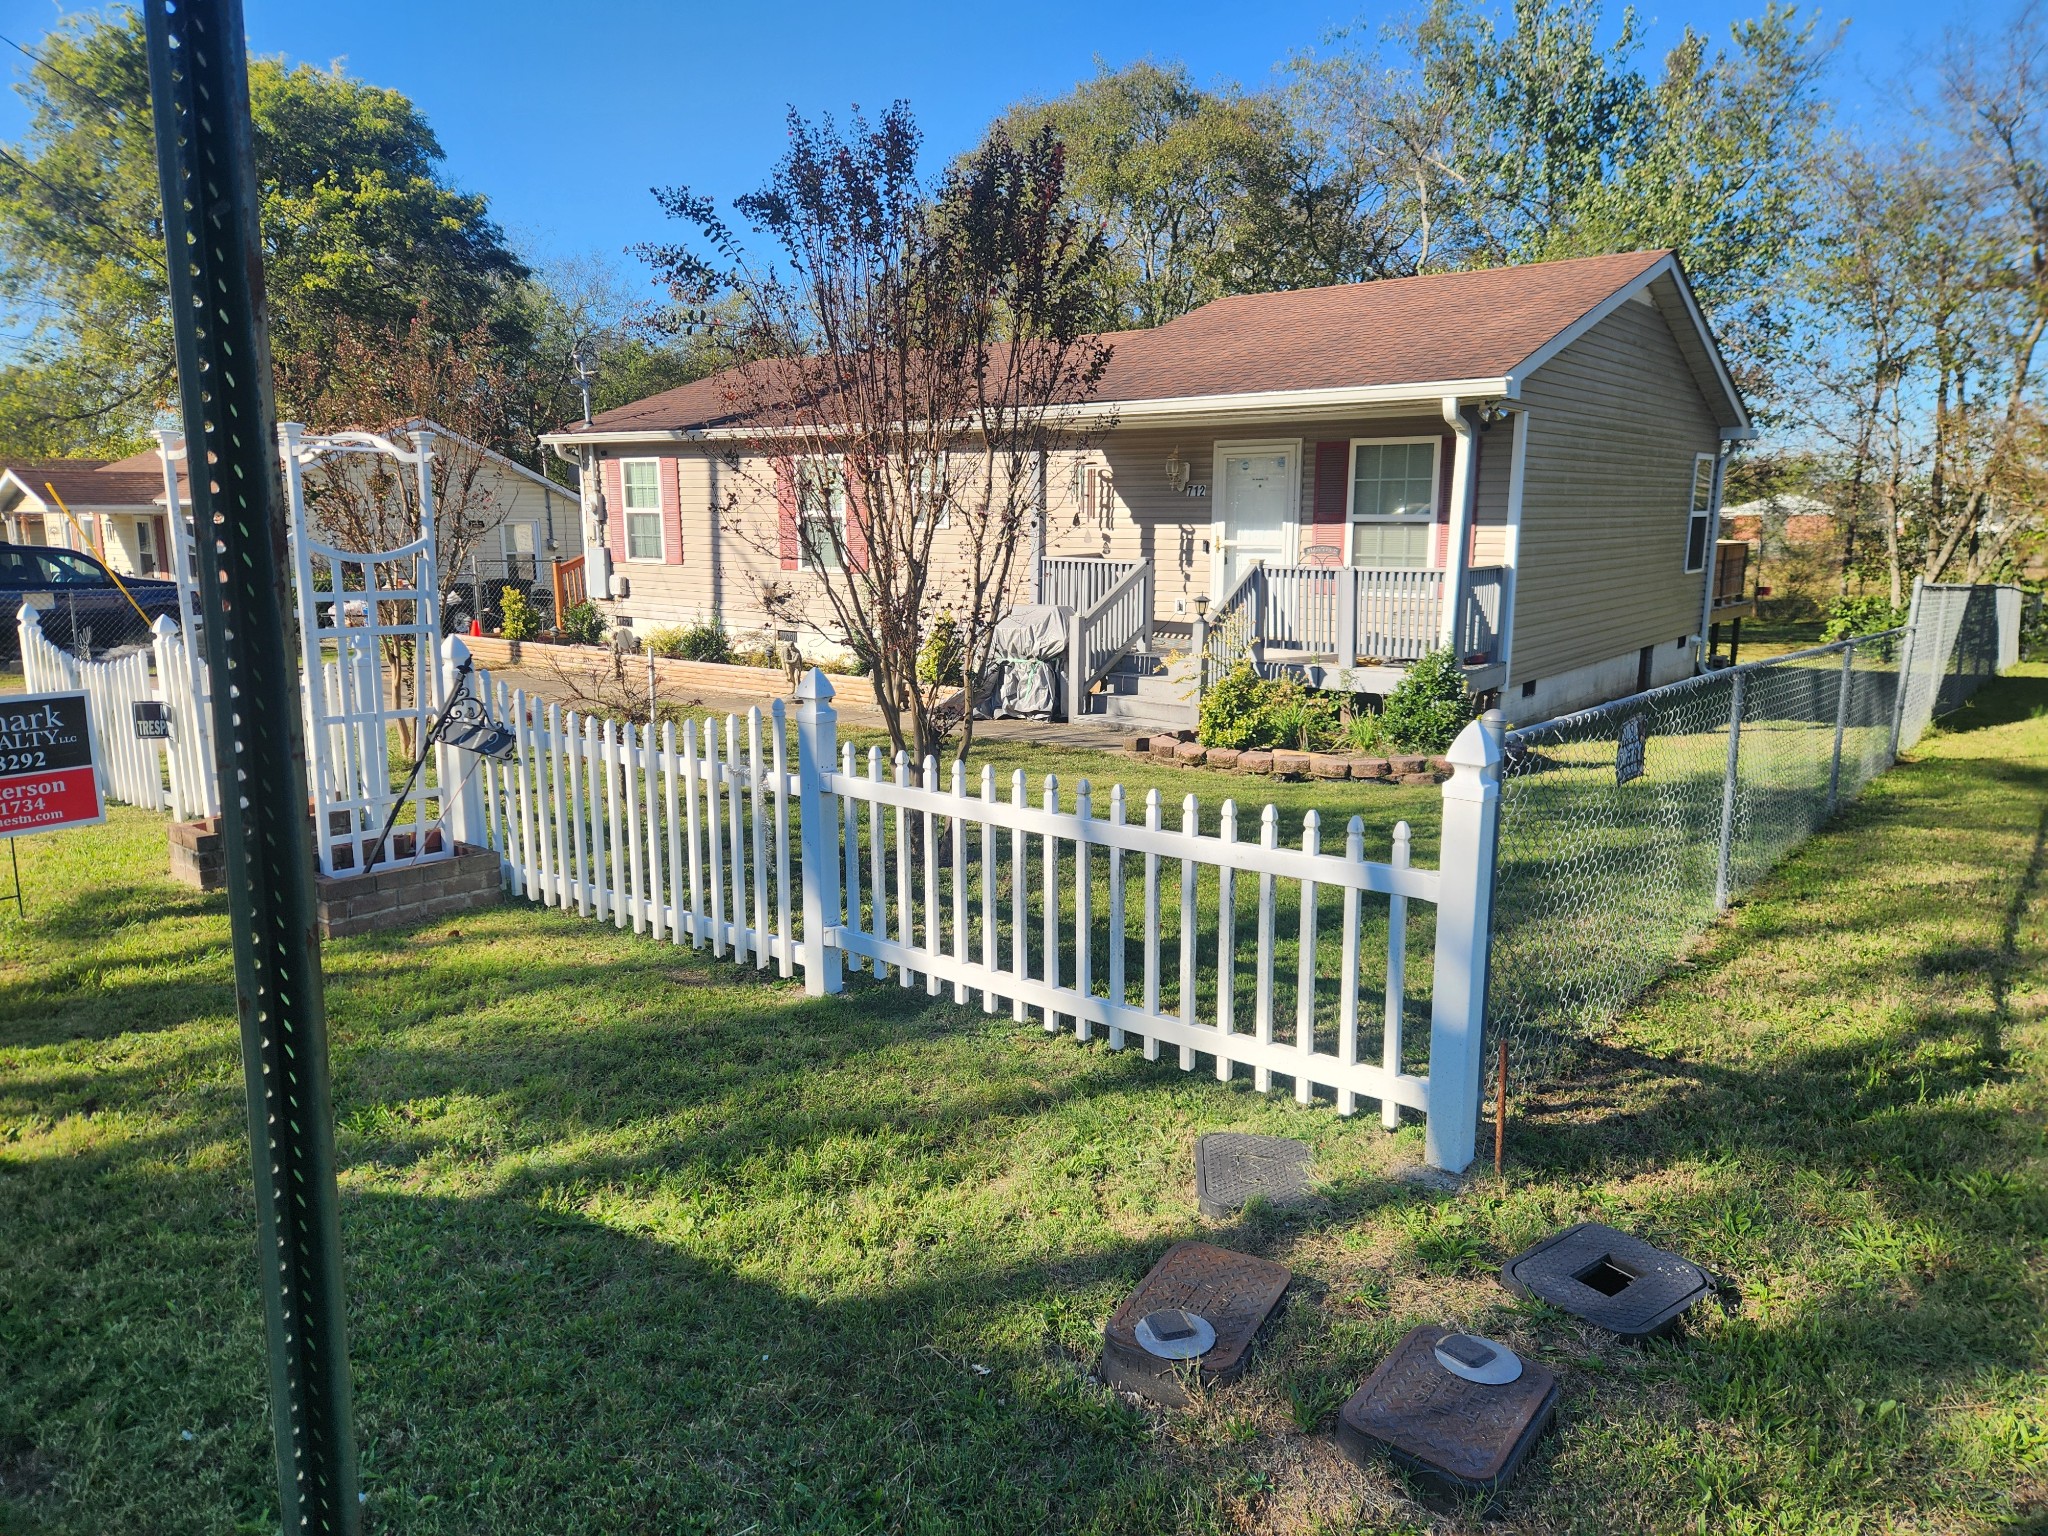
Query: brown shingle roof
x=1410, y=330
x=136, y=481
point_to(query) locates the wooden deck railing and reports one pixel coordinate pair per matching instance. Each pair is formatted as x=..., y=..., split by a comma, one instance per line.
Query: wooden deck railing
x=1731, y=572
x=569, y=585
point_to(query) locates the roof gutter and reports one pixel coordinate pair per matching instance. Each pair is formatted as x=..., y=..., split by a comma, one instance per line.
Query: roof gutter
x=1106, y=414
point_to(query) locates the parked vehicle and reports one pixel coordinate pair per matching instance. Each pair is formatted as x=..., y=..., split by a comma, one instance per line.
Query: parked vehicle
x=82, y=609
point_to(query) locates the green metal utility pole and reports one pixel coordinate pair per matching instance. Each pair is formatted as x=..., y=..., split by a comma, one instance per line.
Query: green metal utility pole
x=199, y=84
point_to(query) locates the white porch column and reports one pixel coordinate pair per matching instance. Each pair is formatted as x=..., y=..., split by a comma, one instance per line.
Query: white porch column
x=1518, y=465
x=597, y=551
x=1458, y=558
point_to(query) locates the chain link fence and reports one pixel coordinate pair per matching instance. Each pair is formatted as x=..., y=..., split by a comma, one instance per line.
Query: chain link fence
x=477, y=591
x=1625, y=830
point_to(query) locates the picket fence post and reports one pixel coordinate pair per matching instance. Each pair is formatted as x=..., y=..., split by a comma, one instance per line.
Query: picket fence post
x=817, y=748
x=464, y=812
x=1464, y=935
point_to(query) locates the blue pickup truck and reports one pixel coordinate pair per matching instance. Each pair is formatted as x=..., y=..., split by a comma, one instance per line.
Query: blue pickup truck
x=82, y=610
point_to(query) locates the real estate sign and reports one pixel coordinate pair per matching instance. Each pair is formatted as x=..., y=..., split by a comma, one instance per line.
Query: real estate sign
x=47, y=774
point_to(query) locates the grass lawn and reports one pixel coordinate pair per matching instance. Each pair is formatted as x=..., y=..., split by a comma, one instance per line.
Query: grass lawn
x=635, y=1242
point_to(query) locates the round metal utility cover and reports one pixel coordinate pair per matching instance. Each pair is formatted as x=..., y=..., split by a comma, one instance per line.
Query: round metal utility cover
x=1174, y=1334
x=1476, y=1359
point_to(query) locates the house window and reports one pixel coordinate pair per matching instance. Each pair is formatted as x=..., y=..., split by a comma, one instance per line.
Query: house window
x=821, y=513
x=935, y=489
x=1393, y=502
x=1700, y=522
x=642, y=482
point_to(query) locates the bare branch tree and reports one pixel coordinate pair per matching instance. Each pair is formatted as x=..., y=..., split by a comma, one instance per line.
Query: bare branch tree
x=919, y=354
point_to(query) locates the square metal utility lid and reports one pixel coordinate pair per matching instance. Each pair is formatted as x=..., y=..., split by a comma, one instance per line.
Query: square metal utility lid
x=1465, y=1435
x=1232, y=1167
x=1233, y=1293
x=1608, y=1278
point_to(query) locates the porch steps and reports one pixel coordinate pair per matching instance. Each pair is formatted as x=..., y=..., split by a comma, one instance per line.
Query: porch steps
x=1145, y=692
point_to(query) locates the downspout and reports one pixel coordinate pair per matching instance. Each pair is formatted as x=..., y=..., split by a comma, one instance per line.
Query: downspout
x=1464, y=492
x=1700, y=656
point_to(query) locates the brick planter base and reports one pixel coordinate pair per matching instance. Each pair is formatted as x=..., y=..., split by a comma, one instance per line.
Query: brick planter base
x=393, y=898
x=356, y=903
x=198, y=855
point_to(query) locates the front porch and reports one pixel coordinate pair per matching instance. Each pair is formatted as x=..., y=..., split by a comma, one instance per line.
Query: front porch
x=1349, y=628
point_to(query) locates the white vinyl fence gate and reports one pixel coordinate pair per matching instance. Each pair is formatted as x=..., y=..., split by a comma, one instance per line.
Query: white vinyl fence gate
x=1230, y=946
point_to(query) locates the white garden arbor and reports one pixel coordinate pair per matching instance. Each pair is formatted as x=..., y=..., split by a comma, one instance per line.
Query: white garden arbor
x=369, y=628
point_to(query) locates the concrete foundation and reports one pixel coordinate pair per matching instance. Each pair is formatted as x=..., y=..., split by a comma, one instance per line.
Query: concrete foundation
x=1583, y=687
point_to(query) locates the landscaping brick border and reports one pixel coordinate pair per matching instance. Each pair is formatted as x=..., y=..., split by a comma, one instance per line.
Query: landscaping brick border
x=1182, y=751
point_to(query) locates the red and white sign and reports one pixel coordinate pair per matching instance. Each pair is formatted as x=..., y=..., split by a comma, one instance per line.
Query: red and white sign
x=47, y=777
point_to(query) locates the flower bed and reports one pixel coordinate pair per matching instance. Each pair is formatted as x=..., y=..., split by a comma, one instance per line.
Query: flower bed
x=1183, y=752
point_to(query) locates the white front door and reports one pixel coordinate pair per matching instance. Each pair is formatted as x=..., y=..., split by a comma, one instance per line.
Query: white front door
x=1256, y=521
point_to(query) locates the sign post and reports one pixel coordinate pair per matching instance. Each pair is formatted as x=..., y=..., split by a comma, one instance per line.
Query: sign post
x=49, y=773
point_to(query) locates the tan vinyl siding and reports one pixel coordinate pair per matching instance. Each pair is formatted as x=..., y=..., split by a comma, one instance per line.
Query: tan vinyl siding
x=728, y=555
x=1614, y=422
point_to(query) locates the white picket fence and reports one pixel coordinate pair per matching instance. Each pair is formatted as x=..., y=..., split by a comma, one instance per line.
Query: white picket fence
x=1130, y=927
x=174, y=775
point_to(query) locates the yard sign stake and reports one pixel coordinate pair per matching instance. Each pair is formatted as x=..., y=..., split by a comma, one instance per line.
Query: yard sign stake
x=199, y=84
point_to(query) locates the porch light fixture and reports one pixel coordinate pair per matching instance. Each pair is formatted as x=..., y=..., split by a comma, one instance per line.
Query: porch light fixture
x=1176, y=471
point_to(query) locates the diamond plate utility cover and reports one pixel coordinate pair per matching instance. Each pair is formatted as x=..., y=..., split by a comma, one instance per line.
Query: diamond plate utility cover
x=1608, y=1278
x=1464, y=1435
x=1235, y=1292
x=1233, y=1166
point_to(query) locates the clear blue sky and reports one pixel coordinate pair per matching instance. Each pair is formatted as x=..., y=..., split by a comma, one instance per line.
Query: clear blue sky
x=564, y=115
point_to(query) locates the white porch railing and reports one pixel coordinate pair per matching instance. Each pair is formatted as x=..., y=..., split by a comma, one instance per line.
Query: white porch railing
x=1355, y=614
x=1080, y=584
x=1101, y=635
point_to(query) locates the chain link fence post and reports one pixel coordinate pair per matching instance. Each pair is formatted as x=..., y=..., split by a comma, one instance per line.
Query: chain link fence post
x=1905, y=670
x=1728, y=796
x=1841, y=724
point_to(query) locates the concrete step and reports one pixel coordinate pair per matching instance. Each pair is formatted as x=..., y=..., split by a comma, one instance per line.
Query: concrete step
x=1137, y=710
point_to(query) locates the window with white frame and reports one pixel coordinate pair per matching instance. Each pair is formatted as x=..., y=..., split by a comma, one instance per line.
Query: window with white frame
x=1699, y=523
x=821, y=513
x=641, y=480
x=935, y=489
x=1393, y=501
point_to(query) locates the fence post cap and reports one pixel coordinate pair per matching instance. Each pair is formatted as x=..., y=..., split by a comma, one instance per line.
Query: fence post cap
x=814, y=687
x=163, y=626
x=453, y=651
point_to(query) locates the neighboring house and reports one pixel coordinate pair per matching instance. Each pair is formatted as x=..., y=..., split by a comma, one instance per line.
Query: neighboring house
x=118, y=506
x=1798, y=520
x=1523, y=463
x=528, y=520
x=122, y=511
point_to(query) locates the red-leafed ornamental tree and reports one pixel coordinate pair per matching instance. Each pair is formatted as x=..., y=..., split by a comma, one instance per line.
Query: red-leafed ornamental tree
x=918, y=350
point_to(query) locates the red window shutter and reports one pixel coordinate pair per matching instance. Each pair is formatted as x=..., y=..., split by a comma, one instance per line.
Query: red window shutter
x=615, y=510
x=672, y=519
x=1328, y=503
x=788, y=538
x=856, y=523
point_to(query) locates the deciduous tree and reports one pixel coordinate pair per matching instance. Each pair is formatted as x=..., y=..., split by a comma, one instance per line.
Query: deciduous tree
x=917, y=351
